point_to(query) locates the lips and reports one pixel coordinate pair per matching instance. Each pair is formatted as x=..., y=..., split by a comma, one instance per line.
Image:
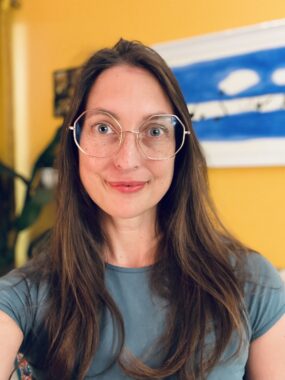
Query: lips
x=127, y=186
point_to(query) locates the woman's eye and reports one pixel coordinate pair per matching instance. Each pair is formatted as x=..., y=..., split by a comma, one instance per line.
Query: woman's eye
x=103, y=129
x=156, y=131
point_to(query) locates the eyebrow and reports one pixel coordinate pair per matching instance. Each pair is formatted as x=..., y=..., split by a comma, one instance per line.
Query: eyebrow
x=116, y=116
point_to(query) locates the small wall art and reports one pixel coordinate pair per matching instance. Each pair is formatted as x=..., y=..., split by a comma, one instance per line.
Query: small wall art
x=64, y=82
x=234, y=85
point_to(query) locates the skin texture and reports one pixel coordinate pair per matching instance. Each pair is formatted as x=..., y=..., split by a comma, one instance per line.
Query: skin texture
x=131, y=94
x=267, y=353
x=11, y=338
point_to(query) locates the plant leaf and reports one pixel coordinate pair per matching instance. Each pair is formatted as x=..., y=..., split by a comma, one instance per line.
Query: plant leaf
x=47, y=157
x=12, y=173
x=33, y=207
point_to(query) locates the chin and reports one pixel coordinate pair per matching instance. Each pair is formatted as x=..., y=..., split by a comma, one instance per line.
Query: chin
x=124, y=213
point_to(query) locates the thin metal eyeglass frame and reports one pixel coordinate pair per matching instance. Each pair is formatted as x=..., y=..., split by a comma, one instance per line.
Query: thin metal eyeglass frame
x=121, y=133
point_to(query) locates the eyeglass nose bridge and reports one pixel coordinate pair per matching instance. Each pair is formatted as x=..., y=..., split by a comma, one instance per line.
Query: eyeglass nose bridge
x=122, y=138
x=136, y=132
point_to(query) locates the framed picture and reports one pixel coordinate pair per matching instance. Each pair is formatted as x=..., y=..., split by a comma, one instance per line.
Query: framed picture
x=234, y=85
x=64, y=83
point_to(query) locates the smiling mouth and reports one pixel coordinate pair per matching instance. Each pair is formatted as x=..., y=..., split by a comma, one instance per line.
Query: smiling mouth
x=128, y=187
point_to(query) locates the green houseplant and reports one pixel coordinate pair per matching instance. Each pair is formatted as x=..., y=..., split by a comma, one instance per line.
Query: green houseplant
x=37, y=196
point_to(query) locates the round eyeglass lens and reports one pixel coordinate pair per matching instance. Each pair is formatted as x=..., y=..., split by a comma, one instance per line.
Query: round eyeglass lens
x=161, y=136
x=97, y=133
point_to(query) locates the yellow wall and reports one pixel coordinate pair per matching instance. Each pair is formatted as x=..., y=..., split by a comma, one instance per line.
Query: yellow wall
x=2, y=131
x=6, y=130
x=58, y=34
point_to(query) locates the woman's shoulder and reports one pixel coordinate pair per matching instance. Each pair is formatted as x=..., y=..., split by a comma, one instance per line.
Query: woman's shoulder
x=264, y=294
x=22, y=280
x=21, y=297
x=258, y=270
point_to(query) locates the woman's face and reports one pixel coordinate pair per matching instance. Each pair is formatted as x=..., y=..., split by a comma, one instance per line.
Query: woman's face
x=127, y=184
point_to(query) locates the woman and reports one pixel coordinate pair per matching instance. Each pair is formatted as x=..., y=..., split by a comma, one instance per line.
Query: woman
x=139, y=279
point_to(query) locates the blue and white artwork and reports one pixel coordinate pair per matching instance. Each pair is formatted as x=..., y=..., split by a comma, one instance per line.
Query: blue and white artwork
x=234, y=85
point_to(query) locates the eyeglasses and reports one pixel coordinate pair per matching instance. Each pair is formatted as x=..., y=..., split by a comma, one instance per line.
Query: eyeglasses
x=99, y=134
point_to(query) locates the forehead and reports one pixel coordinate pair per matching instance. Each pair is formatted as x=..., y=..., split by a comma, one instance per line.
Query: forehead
x=125, y=87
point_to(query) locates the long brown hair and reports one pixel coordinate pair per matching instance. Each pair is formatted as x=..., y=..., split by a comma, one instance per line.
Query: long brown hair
x=197, y=259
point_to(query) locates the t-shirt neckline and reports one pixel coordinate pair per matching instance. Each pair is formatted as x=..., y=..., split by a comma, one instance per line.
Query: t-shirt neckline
x=128, y=269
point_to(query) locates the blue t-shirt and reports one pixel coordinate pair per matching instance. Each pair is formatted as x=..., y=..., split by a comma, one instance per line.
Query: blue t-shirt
x=144, y=316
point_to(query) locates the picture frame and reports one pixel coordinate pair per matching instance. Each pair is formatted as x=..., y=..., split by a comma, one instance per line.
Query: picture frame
x=234, y=85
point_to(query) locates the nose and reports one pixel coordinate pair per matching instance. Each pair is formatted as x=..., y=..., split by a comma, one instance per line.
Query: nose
x=128, y=155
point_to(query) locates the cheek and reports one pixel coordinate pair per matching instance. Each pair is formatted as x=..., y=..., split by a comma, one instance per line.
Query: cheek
x=165, y=175
x=88, y=168
x=90, y=165
x=84, y=169
x=89, y=172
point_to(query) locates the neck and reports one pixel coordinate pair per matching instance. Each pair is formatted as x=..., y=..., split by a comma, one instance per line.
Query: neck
x=133, y=242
